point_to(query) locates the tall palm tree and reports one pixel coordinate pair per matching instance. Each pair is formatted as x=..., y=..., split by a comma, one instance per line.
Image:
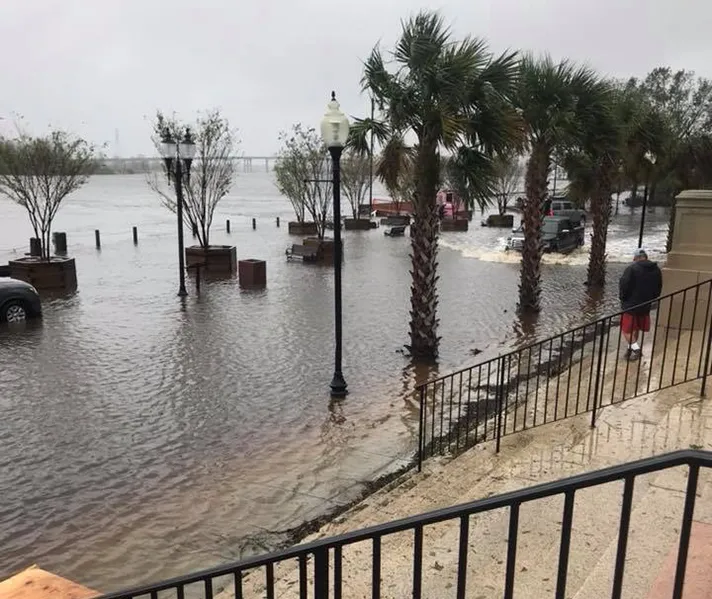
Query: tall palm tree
x=547, y=98
x=446, y=95
x=593, y=166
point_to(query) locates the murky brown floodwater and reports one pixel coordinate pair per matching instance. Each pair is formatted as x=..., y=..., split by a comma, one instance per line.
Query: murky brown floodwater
x=143, y=436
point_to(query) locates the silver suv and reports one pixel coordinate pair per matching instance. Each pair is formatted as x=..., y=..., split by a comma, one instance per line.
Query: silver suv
x=560, y=206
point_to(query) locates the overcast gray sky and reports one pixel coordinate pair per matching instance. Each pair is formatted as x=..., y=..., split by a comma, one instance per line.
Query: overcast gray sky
x=95, y=66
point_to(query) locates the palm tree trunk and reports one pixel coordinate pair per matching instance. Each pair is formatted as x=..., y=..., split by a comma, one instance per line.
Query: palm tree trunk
x=532, y=216
x=424, y=338
x=601, y=208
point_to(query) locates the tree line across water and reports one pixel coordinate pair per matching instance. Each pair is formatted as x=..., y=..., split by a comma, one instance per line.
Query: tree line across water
x=446, y=112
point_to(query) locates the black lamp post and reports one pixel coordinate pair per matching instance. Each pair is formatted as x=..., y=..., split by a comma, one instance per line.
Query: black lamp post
x=651, y=159
x=335, y=132
x=178, y=158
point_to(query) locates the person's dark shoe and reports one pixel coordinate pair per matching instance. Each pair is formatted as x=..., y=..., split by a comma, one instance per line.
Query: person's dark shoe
x=635, y=354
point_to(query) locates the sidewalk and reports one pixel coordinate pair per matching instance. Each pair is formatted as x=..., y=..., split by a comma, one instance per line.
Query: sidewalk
x=658, y=423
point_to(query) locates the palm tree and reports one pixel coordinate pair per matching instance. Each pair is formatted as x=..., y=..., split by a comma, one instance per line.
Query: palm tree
x=547, y=98
x=446, y=95
x=593, y=166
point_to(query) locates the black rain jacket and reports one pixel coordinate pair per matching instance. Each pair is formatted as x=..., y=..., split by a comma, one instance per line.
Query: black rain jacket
x=641, y=282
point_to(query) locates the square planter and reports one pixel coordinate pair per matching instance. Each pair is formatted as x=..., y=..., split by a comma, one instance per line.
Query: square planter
x=59, y=274
x=214, y=258
x=500, y=220
x=454, y=224
x=357, y=224
x=305, y=228
x=252, y=273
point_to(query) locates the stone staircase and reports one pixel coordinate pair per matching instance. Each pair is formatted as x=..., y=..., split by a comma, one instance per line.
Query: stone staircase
x=649, y=425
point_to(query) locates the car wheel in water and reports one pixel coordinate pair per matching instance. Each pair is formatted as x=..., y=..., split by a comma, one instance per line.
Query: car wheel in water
x=14, y=311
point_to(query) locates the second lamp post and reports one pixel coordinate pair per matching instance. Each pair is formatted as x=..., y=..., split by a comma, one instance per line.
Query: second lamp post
x=178, y=158
x=335, y=132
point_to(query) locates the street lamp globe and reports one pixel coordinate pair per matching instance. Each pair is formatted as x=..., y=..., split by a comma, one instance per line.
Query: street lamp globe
x=168, y=146
x=334, y=125
x=187, y=145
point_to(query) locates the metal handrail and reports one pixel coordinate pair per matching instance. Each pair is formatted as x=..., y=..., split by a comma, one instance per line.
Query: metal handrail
x=321, y=549
x=486, y=401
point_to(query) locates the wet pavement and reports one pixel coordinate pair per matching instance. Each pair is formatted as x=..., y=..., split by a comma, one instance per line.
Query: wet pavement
x=144, y=435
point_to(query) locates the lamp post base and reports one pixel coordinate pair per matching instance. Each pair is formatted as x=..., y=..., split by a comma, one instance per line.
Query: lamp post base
x=338, y=385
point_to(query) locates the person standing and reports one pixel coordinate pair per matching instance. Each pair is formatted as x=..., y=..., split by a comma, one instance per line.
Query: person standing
x=641, y=283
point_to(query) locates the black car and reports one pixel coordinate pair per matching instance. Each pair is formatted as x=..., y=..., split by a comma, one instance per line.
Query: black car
x=18, y=301
x=558, y=234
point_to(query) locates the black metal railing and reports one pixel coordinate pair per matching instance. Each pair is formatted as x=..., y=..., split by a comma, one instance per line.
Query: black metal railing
x=579, y=371
x=321, y=569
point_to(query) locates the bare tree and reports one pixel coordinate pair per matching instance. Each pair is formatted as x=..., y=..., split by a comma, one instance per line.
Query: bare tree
x=303, y=175
x=508, y=173
x=355, y=179
x=38, y=173
x=212, y=171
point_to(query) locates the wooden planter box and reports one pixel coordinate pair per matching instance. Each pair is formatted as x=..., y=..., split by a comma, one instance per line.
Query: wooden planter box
x=59, y=274
x=252, y=273
x=454, y=224
x=215, y=258
x=500, y=220
x=396, y=221
x=359, y=224
x=306, y=228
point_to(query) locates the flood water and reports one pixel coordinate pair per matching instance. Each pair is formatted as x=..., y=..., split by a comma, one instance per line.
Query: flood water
x=143, y=436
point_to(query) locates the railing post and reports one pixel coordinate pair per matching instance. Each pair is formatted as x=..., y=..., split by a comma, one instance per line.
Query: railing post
x=321, y=573
x=421, y=428
x=500, y=401
x=705, y=372
x=597, y=386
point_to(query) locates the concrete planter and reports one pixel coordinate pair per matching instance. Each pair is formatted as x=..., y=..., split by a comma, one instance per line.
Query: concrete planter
x=59, y=274
x=359, y=224
x=305, y=228
x=454, y=224
x=252, y=273
x=396, y=221
x=500, y=220
x=214, y=258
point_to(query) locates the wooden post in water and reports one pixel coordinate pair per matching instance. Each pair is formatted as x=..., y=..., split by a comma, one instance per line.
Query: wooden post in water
x=135, y=235
x=35, y=246
x=60, y=242
x=227, y=225
x=254, y=223
x=97, y=238
x=278, y=222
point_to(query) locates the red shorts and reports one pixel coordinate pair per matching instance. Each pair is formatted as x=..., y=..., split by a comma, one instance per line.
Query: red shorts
x=630, y=323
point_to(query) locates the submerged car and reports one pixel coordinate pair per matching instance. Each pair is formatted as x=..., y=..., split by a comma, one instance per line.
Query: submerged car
x=558, y=234
x=18, y=301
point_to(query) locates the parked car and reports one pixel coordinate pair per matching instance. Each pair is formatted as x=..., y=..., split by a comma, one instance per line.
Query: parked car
x=560, y=206
x=558, y=234
x=18, y=301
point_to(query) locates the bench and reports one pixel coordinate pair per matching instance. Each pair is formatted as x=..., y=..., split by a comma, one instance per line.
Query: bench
x=307, y=253
x=396, y=231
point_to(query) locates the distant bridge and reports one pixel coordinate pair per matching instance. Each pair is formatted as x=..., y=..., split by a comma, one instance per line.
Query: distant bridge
x=145, y=164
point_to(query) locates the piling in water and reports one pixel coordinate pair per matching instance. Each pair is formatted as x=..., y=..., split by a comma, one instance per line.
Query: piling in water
x=135, y=235
x=97, y=238
x=278, y=222
x=60, y=242
x=254, y=223
x=227, y=225
x=35, y=246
